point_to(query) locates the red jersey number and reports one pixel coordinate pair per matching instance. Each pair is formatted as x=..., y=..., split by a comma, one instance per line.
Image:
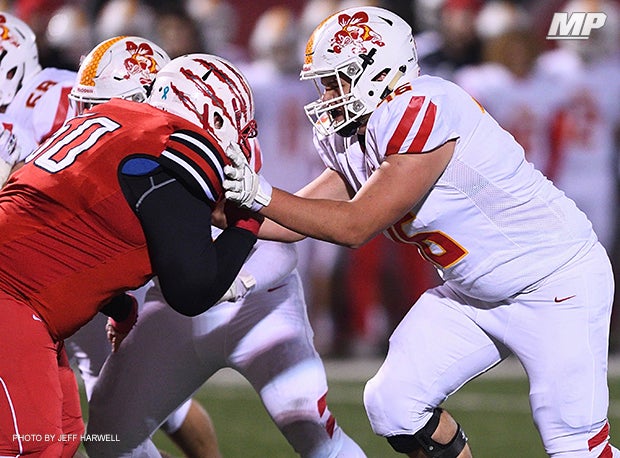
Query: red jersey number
x=34, y=97
x=435, y=246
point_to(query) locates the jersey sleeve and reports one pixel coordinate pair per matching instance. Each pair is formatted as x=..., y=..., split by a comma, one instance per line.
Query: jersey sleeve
x=51, y=110
x=197, y=160
x=409, y=123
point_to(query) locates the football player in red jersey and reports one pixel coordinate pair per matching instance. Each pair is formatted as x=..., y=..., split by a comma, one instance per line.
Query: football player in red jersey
x=125, y=67
x=117, y=195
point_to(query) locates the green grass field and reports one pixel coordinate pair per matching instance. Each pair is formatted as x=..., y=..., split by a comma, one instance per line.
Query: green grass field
x=493, y=410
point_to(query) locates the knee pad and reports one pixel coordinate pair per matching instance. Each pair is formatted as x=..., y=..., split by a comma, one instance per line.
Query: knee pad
x=405, y=443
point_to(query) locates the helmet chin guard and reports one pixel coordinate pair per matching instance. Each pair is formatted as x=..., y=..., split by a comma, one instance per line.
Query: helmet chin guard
x=372, y=49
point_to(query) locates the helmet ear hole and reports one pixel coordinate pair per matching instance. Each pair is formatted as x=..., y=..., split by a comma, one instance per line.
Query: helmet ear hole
x=381, y=75
x=218, y=121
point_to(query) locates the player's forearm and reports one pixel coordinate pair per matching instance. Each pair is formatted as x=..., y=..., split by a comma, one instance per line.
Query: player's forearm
x=270, y=230
x=334, y=221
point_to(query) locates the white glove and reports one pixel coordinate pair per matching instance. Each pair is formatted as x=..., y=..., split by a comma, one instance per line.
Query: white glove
x=239, y=288
x=243, y=185
x=9, y=154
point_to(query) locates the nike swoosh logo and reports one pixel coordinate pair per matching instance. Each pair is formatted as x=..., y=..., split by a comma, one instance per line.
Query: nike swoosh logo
x=562, y=299
x=275, y=288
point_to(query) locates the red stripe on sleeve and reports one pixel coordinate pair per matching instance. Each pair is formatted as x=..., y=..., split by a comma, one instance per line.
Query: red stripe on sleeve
x=196, y=158
x=425, y=129
x=404, y=126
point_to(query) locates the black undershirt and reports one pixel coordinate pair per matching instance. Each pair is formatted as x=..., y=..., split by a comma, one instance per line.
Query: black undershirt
x=193, y=270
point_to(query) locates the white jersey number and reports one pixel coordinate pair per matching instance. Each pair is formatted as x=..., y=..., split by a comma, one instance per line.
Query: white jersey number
x=80, y=139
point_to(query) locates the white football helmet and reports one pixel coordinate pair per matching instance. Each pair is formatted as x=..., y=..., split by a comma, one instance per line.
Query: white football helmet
x=372, y=48
x=210, y=92
x=120, y=67
x=19, y=56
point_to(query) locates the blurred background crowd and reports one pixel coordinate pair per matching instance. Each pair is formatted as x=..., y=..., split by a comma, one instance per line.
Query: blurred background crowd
x=559, y=98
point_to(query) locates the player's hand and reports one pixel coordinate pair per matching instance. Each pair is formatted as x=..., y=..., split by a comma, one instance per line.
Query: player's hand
x=239, y=288
x=116, y=331
x=242, y=184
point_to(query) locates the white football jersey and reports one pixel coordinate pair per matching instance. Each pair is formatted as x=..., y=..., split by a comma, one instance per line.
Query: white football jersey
x=48, y=92
x=584, y=146
x=492, y=224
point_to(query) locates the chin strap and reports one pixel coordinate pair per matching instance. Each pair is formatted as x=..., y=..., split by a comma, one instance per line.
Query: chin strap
x=392, y=84
x=349, y=130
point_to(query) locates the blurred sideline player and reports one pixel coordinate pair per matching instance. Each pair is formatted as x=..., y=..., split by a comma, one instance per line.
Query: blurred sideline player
x=523, y=273
x=260, y=329
x=124, y=67
x=585, y=128
x=82, y=224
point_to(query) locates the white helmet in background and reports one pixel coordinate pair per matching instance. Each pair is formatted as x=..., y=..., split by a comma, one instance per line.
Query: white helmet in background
x=274, y=39
x=19, y=56
x=372, y=48
x=211, y=93
x=120, y=67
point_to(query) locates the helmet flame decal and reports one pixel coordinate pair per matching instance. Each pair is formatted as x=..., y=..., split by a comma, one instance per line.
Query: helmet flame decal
x=355, y=33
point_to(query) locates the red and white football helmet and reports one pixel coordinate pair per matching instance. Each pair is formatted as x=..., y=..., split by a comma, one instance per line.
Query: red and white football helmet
x=120, y=67
x=19, y=56
x=372, y=48
x=210, y=92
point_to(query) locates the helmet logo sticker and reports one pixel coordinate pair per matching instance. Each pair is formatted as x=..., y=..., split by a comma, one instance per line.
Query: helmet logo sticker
x=141, y=62
x=355, y=34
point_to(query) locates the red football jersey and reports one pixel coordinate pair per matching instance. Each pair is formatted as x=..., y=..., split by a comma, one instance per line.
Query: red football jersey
x=69, y=240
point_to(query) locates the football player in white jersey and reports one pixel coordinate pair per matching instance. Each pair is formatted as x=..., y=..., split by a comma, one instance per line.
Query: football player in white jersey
x=523, y=272
x=33, y=100
x=260, y=328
